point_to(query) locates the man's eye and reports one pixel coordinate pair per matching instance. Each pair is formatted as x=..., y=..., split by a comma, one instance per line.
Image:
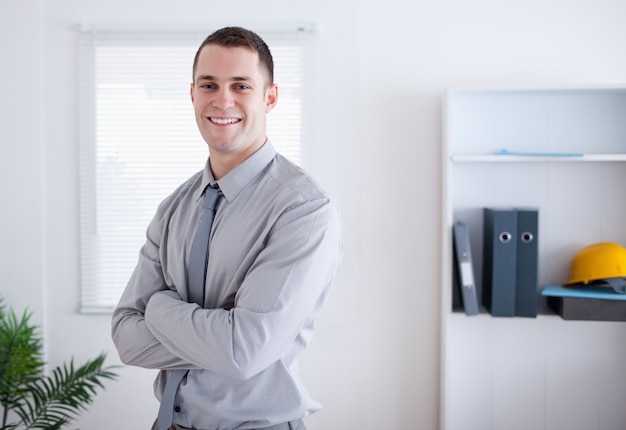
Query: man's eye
x=207, y=86
x=242, y=87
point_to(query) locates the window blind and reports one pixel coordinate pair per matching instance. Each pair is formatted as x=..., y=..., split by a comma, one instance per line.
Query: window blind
x=139, y=139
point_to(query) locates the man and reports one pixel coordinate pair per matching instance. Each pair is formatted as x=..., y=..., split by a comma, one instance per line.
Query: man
x=274, y=249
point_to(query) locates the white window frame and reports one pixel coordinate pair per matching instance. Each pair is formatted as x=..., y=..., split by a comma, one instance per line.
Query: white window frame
x=128, y=164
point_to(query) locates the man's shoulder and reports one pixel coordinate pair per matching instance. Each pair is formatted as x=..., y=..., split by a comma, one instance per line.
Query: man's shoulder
x=183, y=192
x=292, y=178
x=290, y=189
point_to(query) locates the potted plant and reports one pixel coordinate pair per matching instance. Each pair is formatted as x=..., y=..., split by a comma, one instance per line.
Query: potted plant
x=29, y=399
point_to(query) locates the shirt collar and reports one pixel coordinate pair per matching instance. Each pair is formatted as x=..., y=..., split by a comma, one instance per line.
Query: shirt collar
x=237, y=179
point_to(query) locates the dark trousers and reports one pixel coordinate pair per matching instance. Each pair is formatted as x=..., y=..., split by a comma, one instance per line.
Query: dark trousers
x=291, y=425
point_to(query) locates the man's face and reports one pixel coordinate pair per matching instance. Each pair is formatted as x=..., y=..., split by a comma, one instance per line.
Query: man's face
x=231, y=98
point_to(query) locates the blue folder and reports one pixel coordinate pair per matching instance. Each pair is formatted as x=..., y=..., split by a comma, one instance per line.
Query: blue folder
x=499, y=260
x=598, y=292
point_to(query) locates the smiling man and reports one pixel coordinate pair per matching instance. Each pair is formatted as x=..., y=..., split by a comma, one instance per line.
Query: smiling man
x=232, y=92
x=228, y=359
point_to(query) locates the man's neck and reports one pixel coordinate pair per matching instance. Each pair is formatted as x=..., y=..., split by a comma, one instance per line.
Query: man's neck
x=222, y=163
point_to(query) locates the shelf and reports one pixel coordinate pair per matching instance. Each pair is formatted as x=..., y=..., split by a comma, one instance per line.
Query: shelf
x=561, y=151
x=464, y=319
x=495, y=158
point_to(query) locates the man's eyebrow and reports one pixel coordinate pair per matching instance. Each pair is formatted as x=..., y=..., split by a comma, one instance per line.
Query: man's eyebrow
x=233, y=79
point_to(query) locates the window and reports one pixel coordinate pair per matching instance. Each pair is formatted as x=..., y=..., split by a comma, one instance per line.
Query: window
x=139, y=140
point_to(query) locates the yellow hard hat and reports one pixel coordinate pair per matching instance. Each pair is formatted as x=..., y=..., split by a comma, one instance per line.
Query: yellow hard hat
x=603, y=261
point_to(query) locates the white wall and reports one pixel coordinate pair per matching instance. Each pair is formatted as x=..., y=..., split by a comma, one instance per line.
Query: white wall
x=21, y=158
x=383, y=68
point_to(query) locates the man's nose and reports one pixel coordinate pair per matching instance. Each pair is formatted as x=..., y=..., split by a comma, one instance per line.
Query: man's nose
x=223, y=99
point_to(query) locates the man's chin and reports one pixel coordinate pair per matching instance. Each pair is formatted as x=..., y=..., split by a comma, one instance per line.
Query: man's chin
x=223, y=146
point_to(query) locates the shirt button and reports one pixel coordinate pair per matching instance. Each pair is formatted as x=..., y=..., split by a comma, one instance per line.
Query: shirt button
x=177, y=409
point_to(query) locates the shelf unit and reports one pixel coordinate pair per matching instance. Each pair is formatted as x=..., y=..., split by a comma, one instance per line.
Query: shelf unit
x=570, y=163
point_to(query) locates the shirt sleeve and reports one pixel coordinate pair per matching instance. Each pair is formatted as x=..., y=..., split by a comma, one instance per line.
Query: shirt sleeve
x=275, y=307
x=133, y=339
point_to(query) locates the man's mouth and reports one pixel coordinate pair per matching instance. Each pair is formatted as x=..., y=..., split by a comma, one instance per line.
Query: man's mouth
x=224, y=121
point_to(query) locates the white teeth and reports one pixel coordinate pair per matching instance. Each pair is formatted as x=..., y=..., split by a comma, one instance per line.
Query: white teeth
x=224, y=121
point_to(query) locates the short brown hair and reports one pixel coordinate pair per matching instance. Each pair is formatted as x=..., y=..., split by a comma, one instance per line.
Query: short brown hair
x=231, y=37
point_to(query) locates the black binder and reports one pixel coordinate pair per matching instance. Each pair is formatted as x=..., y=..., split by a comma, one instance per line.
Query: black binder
x=464, y=268
x=526, y=297
x=500, y=261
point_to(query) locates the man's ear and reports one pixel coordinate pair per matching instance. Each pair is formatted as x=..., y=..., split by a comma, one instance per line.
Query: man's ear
x=271, y=97
x=191, y=92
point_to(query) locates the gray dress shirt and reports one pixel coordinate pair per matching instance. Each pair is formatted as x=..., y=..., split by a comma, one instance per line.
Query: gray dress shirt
x=276, y=244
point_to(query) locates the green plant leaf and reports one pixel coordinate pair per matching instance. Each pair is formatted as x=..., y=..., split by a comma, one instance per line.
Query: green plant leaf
x=39, y=401
x=20, y=359
x=57, y=399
